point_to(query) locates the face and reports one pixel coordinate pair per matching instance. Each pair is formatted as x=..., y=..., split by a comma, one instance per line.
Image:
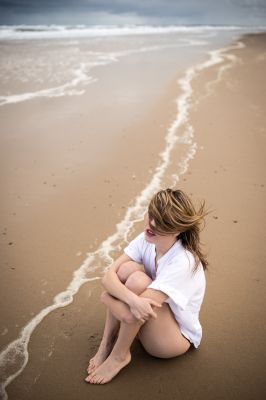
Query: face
x=156, y=238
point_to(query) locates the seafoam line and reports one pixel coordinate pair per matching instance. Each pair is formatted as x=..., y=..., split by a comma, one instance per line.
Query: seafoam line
x=68, y=89
x=222, y=55
x=75, y=87
x=14, y=357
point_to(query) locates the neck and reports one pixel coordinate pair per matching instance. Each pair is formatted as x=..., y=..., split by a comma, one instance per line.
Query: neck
x=161, y=249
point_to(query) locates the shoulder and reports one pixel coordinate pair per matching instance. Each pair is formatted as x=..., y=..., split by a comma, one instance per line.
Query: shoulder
x=134, y=249
x=183, y=257
x=139, y=242
x=184, y=260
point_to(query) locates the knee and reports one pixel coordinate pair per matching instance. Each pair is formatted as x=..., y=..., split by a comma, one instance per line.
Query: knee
x=129, y=318
x=137, y=282
x=104, y=297
x=122, y=272
x=126, y=269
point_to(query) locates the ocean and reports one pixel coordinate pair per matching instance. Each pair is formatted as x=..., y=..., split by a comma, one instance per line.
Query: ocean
x=54, y=61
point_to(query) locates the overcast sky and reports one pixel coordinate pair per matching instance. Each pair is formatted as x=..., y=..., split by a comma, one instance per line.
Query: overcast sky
x=162, y=12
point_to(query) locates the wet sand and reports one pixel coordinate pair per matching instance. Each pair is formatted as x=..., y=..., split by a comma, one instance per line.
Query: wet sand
x=227, y=171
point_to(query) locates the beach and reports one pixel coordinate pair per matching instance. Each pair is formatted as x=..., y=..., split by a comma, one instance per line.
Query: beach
x=74, y=196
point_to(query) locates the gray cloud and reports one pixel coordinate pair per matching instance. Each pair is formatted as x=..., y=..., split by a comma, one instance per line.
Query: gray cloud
x=129, y=11
x=253, y=6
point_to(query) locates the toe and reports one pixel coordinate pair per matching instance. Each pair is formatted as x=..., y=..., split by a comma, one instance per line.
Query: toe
x=91, y=364
x=90, y=368
x=99, y=379
x=90, y=379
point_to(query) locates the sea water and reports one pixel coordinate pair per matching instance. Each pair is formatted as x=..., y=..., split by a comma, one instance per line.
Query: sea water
x=55, y=61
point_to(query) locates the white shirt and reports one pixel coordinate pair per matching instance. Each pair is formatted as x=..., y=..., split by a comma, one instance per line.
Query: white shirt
x=174, y=277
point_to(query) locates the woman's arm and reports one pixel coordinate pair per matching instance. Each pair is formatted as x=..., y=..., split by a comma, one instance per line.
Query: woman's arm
x=139, y=307
x=112, y=283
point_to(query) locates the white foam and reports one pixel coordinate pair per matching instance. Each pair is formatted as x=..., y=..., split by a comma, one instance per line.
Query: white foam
x=15, y=356
x=23, y=32
x=75, y=87
x=68, y=89
x=81, y=77
x=217, y=57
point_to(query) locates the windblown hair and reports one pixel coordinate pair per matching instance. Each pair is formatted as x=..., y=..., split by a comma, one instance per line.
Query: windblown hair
x=173, y=212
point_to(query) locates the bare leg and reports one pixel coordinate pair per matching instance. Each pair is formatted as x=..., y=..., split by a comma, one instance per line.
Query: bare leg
x=119, y=357
x=117, y=311
x=111, y=329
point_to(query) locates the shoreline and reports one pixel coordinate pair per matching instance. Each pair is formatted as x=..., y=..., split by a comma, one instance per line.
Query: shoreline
x=193, y=181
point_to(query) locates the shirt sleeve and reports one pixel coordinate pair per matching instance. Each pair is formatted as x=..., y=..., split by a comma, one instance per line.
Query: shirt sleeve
x=134, y=249
x=176, y=281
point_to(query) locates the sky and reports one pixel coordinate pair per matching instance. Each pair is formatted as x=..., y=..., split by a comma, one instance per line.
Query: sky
x=140, y=12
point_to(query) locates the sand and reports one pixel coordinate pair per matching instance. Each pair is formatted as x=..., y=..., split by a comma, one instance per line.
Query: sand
x=78, y=209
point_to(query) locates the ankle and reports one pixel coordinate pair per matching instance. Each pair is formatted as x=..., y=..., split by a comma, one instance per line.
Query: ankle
x=120, y=357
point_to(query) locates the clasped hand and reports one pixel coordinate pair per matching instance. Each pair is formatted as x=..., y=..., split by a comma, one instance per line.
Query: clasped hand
x=141, y=308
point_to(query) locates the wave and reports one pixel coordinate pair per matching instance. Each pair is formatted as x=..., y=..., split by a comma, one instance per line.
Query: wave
x=67, y=89
x=80, y=75
x=22, y=32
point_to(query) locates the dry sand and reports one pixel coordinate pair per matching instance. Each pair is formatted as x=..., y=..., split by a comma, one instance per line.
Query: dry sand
x=227, y=170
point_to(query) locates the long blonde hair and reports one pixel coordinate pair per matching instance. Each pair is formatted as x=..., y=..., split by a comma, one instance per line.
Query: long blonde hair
x=173, y=212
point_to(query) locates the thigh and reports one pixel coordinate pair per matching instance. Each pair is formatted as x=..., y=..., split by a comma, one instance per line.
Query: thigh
x=128, y=268
x=161, y=337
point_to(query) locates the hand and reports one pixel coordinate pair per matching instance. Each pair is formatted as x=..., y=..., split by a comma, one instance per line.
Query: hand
x=141, y=308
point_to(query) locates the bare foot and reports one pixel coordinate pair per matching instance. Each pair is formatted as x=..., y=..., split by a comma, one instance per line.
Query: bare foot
x=101, y=355
x=108, y=370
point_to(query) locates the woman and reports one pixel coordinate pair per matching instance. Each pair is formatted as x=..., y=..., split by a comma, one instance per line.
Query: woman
x=155, y=289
